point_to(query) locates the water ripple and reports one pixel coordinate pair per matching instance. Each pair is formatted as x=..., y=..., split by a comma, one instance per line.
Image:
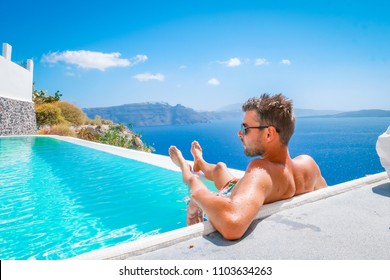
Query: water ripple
x=59, y=200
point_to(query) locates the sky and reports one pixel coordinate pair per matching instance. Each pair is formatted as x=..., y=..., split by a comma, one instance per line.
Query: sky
x=329, y=55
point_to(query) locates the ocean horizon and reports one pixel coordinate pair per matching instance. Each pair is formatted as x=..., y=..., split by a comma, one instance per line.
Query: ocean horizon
x=344, y=148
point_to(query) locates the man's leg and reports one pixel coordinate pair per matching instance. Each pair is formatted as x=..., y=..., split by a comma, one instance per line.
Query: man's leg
x=194, y=212
x=218, y=173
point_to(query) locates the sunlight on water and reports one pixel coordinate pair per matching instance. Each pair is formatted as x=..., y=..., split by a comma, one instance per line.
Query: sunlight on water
x=59, y=200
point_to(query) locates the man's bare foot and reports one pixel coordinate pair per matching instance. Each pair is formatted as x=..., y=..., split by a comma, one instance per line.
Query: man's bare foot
x=177, y=158
x=196, y=151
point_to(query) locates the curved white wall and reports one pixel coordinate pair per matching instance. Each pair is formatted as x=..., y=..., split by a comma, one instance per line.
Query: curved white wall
x=383, y=150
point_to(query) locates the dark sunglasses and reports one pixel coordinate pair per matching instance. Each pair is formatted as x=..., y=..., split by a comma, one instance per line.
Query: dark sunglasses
x=244, y=128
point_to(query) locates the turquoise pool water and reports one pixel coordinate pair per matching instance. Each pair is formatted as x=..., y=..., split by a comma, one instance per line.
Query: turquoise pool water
x=59, y=200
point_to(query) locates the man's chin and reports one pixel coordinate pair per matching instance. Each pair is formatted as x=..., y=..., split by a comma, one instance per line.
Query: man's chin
x=248, y=153
x=251, y=153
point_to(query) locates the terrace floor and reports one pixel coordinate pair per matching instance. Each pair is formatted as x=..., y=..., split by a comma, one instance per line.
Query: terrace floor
x=351, y=225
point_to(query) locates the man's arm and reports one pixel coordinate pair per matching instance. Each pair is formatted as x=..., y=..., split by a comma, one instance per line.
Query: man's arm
x=232, y=215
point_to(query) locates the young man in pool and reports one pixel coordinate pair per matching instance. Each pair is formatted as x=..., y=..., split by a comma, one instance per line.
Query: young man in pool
x=267, y=127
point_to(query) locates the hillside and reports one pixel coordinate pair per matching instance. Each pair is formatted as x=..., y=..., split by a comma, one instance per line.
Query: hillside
x=148, y=114
x=363, y=113
x=375, y=113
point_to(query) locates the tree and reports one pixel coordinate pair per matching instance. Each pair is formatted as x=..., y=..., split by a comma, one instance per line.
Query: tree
x=73, y=114
x=48, y=114
x=41, y=97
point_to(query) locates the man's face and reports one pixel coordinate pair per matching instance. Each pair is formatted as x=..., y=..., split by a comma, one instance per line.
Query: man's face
x=252, y=139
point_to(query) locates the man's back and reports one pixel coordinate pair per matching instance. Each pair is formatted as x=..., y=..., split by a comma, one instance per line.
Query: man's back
x=307, y=175
x=285, y=180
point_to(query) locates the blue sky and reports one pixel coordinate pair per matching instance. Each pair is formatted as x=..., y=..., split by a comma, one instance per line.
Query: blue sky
x=205, y=54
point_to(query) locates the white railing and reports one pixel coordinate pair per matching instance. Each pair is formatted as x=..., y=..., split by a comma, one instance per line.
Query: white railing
x=15, y=81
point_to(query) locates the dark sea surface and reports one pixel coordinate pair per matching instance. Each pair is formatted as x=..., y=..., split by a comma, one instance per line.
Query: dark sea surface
x=344, y=148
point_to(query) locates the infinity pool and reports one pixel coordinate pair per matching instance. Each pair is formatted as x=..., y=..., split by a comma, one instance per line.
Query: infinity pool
x=59, y=200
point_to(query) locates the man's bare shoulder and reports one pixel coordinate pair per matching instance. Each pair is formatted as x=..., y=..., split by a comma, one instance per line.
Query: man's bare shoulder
x=305, y=160
x=257, y=175
x=308, y=167
x=259, y=166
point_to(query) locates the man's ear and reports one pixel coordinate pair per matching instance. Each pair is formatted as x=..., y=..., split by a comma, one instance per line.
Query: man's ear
x=271, y=132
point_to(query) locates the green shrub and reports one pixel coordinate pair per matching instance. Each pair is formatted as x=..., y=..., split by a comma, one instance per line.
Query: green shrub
x=73, y=114
x=58, y=129
x=88, y=134
x=113, y=137
x=48, y=114
x=98, y=121
x=108, y=122
x=62, y=130
x=40, y=97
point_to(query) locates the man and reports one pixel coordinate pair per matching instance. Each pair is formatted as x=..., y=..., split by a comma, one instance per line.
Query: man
x=267, y=127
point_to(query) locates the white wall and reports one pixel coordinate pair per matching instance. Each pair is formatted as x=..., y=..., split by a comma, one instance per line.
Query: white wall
x=383, y=150
x=15, y=81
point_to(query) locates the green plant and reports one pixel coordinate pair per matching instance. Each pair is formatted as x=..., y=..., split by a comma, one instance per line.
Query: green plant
x=98, y=121
x=41, y=97
x=58, y=129
x=73, y=114
x=48, y=114
x=113, y=137
x=108, y=122
x=62, y=130
x=89, y=134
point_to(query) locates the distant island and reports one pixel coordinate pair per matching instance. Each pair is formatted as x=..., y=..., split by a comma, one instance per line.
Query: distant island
x=148, y=114
x=159, y=113
x=359, y=114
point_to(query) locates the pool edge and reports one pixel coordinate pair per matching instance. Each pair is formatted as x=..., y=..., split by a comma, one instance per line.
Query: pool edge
x=164, y=240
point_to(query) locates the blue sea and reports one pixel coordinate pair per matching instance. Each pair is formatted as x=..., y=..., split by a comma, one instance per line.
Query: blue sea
x=344, y=148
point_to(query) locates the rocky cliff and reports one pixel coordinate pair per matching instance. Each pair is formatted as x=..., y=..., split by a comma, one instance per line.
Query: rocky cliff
x=149, y=114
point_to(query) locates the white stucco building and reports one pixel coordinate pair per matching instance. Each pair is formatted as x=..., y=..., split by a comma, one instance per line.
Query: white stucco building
x=17, y=114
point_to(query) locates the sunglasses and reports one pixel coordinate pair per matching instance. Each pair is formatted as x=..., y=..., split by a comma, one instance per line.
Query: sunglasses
x=244, y=128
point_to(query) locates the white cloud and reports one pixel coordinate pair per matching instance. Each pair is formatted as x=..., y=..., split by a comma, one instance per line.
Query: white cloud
x=214, y=82
x=261, y=61
x=147, y=77
x=183, y=67
x=70, y=74
x=232, y=62
x=138, y=59
x=92, y=60
x=285, y=62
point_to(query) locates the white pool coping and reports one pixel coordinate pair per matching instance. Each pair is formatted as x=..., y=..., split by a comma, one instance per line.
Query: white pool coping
x=167, y=239
x=163, y=240
x=150, y=158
